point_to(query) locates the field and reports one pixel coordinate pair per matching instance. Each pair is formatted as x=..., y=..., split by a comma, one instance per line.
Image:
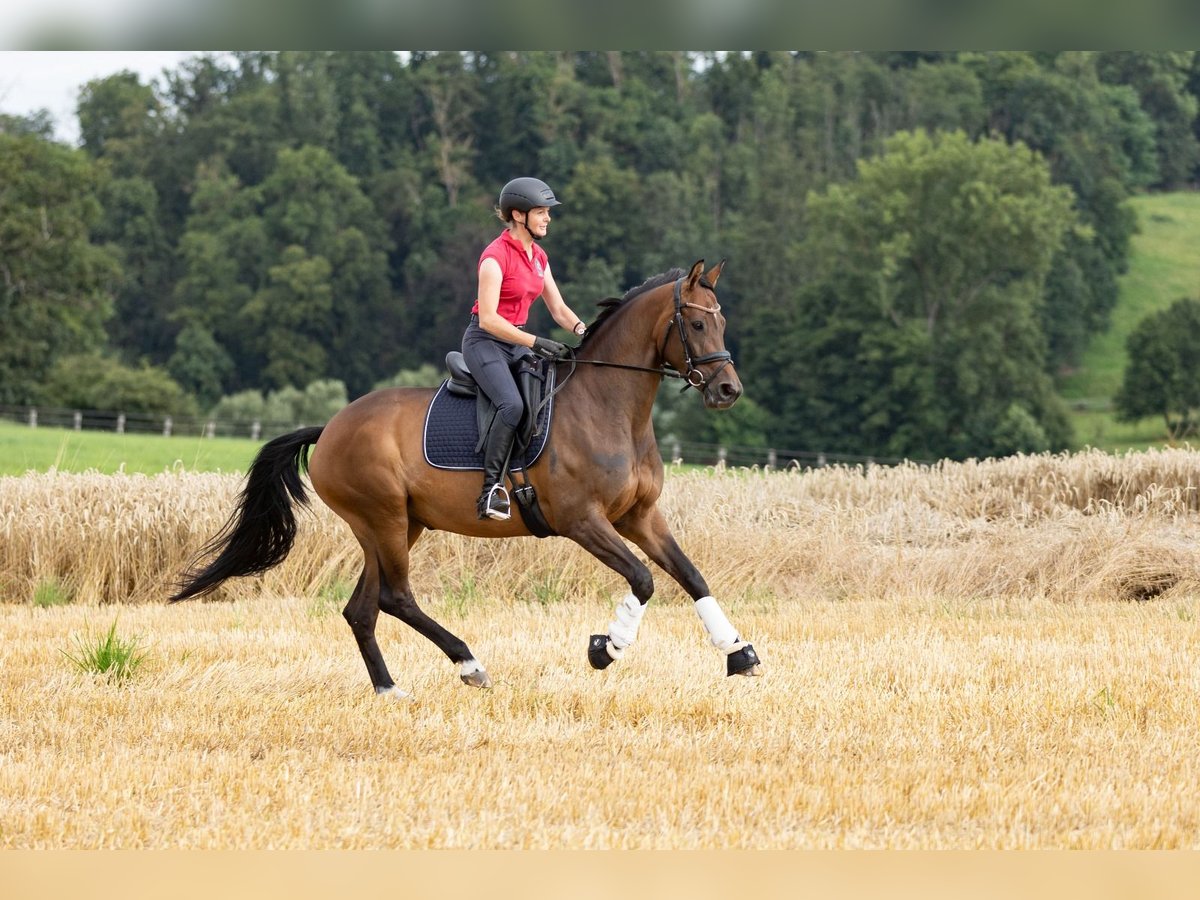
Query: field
x=972, y=655
x=25, y=449
x=1163, y=267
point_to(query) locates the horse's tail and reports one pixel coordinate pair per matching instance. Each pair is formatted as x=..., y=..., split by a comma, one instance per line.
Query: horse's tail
x=261, y=530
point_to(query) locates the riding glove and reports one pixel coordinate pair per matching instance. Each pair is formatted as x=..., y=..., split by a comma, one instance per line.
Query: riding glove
x=550, y=349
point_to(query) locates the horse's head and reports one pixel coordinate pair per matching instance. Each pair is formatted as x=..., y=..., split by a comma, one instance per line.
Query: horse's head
x=695, y=339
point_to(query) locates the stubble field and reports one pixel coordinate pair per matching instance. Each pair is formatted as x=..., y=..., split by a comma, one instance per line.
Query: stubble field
x=994, y=654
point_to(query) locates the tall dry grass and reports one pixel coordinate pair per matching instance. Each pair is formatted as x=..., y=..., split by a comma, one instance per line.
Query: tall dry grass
x=951, y=662
x=1083, y=526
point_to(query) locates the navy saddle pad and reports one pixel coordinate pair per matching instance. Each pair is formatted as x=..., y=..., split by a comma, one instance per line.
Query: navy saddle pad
x=452, y=431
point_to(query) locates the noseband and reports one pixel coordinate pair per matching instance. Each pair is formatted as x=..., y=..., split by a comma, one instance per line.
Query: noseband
x=694, y=377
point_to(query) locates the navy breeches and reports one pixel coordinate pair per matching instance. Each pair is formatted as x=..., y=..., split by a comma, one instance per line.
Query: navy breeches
x=490, y=361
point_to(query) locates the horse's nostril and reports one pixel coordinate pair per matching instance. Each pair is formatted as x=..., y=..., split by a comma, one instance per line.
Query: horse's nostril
x=728, y=391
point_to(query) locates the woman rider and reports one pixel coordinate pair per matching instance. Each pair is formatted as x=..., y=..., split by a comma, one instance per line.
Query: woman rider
x=513, y=272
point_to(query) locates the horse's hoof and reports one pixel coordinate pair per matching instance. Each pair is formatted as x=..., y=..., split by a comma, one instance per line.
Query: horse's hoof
x=477, y=679
x=598, y=654
x=743, y=662
x=394, y=693
x=473, y=674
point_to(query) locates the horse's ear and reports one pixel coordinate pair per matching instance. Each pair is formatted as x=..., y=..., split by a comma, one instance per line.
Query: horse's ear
x=696, y=274
x=714, y=273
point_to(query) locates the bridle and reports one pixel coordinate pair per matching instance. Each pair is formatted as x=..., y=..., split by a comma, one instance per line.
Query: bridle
x=689, y=359
x=692, y=375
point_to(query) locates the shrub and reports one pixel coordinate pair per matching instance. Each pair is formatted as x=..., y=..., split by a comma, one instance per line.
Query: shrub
x=91, y=381
x=116, y=657
x=51, y=592
x=424, y=375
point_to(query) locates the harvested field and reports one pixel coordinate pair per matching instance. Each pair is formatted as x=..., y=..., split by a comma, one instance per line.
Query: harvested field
x=995, y=654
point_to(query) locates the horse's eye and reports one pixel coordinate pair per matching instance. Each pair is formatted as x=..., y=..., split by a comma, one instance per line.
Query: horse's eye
x=698, y=324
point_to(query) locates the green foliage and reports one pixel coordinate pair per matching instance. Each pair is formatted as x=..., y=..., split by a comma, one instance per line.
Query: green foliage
x=243, y=406
x=199, y=364
x=111, y=655
x=919, y=329
x=1163, y=266
x=331, y=598
x=1018, y=432
x=55, y=284
x=1161, y=82
x=321, y=400
x=1162, y=377
x=424, y=375
x=316, y=404
x=684, y=417
x=461, y=594
x=92, y=381
x=51, y=592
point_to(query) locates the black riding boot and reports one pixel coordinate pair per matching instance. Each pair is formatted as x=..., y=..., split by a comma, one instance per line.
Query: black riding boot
x=493, y=502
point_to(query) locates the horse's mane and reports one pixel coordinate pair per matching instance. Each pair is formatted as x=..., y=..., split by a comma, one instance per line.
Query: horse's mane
x=610, y=305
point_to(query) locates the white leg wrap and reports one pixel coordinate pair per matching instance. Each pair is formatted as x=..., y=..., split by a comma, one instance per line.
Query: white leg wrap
x=622, y=631
x=722, y=633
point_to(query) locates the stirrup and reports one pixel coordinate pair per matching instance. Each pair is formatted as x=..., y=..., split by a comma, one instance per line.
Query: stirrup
x=501, y=507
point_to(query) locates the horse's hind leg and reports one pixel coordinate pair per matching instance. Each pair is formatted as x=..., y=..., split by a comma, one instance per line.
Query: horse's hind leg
x=396, y=599
x=361, y=613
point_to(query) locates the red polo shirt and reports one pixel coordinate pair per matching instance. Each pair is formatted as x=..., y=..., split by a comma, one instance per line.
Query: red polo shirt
x=522, y=279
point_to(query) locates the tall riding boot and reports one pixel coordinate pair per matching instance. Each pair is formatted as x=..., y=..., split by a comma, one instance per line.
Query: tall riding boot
x=493, y=502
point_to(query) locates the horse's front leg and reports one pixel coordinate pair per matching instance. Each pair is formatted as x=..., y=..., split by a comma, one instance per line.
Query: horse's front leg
x=648, y=529
x=596, y=535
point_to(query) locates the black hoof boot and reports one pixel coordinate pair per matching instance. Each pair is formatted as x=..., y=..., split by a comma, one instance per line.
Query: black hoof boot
x=742, y=662
x=598, y=651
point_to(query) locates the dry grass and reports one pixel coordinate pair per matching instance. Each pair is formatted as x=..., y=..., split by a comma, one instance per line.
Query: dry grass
x=1088, y=526
x=951, y=662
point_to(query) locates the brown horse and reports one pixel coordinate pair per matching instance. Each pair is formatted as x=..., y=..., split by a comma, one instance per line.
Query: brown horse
x=598, y=480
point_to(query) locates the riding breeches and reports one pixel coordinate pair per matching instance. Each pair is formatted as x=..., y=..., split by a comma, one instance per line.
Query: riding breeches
x=491, y=361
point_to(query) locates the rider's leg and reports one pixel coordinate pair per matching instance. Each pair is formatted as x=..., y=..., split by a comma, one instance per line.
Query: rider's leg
x=490, y=362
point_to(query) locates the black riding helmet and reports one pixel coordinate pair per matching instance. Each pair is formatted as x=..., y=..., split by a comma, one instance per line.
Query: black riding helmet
x=524, y=194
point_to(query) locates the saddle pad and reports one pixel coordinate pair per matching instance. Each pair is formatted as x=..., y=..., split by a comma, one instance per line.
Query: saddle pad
x=451, y=433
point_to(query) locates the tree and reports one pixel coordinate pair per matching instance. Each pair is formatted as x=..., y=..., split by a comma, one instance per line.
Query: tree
x=1097, y=140
x=919, y=332
x=290, y=276
x=1162, y=377
x=1160, y=79
x=55, y=284
x=199, y=364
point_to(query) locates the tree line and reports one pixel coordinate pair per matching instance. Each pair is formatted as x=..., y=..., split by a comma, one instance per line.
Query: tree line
x=918, y=243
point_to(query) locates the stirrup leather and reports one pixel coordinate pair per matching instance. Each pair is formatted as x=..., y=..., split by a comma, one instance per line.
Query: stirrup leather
x=492, y=506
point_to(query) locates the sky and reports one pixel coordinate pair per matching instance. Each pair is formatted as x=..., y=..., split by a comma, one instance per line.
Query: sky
x=41, y=79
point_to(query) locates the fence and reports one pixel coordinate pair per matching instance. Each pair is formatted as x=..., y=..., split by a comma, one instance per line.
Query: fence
x=141, y=423
x=689, y=452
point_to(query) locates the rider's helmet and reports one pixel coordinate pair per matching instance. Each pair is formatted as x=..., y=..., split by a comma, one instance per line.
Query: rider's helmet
x=524, y=194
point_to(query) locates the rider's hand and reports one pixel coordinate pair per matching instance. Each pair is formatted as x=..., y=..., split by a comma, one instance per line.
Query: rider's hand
x=550, y=349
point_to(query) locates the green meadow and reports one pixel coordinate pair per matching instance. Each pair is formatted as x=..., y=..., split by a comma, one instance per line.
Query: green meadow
x=39, y=449
x=1164, y=266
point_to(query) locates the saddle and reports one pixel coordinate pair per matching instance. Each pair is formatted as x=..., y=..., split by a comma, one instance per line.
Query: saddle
x=535, y=381
x=460, y=416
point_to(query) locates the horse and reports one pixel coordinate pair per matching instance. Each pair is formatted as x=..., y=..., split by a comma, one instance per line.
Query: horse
x=598, y=480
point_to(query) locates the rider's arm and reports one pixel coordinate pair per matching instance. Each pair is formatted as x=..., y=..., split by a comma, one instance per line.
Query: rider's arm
x=559, y=310
x=490, y=319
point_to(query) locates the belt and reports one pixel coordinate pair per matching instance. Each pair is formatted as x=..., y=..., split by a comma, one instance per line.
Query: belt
x=475, y=321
